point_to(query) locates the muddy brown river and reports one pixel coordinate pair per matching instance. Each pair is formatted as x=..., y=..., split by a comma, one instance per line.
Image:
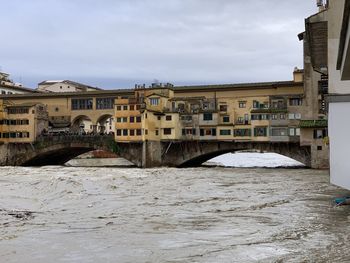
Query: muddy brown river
x=67, y=214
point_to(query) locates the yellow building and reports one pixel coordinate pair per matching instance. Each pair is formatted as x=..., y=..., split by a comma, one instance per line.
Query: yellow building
x=260, y=112
x=22, y=123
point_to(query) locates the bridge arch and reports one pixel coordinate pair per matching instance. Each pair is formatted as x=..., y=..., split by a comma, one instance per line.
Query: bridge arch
x=82, y=123
x=105, y=124
x=192, y=154
x=58, y=149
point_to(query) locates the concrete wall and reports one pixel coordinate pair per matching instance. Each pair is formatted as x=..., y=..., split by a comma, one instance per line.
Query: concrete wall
x=339, y=127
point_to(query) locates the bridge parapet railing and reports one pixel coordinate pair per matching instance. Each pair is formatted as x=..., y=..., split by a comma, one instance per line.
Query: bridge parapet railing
x=67, y=138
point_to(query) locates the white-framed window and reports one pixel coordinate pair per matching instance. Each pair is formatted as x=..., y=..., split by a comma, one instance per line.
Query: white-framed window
x=154, y=101
x=291, y=132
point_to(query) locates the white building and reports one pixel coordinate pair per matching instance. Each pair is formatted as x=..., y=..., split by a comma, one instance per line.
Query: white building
x=339, y=89
x=63, y=86
x=7, y=86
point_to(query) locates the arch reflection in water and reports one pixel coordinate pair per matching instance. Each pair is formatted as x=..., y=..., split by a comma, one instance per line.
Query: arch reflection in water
x=253, y=159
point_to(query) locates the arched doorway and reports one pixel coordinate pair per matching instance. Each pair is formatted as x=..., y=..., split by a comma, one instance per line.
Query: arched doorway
x=105, y=124
x=83, y=124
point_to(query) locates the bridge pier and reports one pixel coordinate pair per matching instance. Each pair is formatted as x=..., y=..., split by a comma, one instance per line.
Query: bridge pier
x=151, y=154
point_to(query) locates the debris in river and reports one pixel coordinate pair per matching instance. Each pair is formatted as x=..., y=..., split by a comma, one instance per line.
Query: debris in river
x=342, y=201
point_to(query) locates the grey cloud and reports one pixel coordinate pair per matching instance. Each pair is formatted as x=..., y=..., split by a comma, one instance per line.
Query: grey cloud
x=180, y=41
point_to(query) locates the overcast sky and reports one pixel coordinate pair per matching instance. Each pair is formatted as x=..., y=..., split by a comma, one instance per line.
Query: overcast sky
x=117, y=43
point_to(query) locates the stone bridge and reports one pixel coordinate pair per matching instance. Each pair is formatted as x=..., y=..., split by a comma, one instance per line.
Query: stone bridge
x=56, y=150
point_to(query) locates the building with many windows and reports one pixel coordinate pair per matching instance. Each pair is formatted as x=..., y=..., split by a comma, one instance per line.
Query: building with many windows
x=268, y=112
x=22, y=123
x=260, y=112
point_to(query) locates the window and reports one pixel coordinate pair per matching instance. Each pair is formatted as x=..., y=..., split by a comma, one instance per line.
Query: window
x=260, y=117
x=132, y=119
x=242, y=104
x=188, y=131
x=157, y=132
x=167, y=131
x=205, y=105
x=273, y=116
x=256, y=104
x=119, y=107
x=295, y=102
x=158, y=118
x=186, y=117
x=82, y=104
x=320, y=133
x=265, y=116
x=138, y=107
x=291, y=116
x=56, y=109
x=260, y=131
x=208, y=132
x=119, y=132
x=125, y=107
x=132, y=107
x=132, y=132
x=223, y=108
x=207, y=116
x=119, y=119
x=282, y=116
x=297, y=131
x=319, y=148
x=240, y=120
x=125, y=132
x=168, y=117
x=278, y=132
x=225, y=132
x=104, y=103
x=292, y=132
x=18, y=110
x=138, y=119
x=24, y=122
x=242, y=132
x=125, y=119
x=138, y=132
x=154, y=101
x=226, y=119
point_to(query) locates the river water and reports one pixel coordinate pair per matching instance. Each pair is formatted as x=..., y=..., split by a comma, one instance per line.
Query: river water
x=70, y=214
